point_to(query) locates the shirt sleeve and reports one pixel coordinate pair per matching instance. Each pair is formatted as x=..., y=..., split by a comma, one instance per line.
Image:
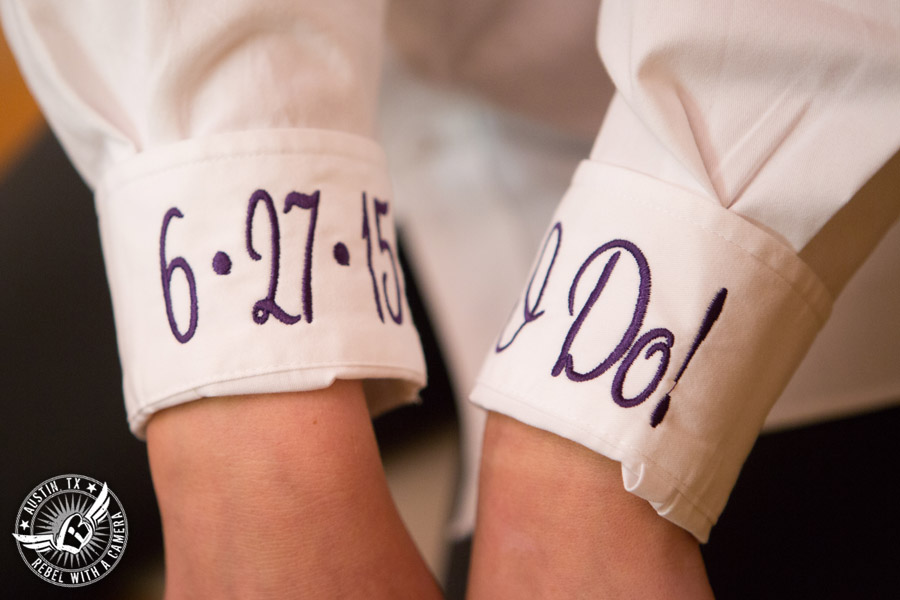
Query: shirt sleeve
x=698, y=251
x=245, y=211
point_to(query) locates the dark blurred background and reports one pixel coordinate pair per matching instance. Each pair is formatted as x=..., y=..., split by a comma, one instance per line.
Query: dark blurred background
x=62, y=400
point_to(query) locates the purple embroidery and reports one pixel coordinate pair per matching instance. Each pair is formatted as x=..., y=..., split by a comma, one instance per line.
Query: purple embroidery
x=565, y=360
x=308, y=202
x=166, y=270
x=531, y=313
x=341, y=254
x=221, y=263
x=713, y=311
x=659, y=413
x=267, y=306
x=381, y=210
x=664, y=346
x=367, y=236
x=656, y=341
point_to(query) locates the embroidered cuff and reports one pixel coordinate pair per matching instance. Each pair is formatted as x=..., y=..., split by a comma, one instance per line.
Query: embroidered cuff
x=256, y=262
x=657, y=329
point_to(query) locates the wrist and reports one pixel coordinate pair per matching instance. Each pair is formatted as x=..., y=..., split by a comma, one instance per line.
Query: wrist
x=278, y=495
x=555, y=521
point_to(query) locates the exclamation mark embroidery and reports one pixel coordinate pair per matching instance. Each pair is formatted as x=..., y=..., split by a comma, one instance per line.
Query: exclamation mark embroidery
x=712, y=314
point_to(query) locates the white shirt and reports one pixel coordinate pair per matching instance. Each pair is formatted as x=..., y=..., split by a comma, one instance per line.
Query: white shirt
x=684, y=275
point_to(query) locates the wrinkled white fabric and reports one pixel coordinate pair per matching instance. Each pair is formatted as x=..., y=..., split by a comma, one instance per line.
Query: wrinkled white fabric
x=738, y=132
x=492, y=179
x=208, y=110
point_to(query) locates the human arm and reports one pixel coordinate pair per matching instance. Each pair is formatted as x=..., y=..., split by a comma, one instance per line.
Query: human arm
x=199, y=108
x=230, y=153
x=555, y=522
x=278, y=496
x=701, y=204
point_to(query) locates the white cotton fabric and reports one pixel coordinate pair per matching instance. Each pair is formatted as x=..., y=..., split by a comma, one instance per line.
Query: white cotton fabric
x=492, y=179
x=737, y=135
x=196, y=106
x=211, y=181
x=766, y=114
x=686, y=465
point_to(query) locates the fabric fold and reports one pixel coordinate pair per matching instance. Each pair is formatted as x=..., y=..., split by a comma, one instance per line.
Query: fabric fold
x=657, y=328
x=256, y=262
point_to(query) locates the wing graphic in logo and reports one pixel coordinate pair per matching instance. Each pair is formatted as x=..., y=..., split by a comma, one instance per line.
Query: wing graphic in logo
x=41, y=542
x=75, y=532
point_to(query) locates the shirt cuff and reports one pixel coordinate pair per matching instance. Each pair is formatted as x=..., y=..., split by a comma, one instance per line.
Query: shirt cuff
x=657, y=329
x=256, y=262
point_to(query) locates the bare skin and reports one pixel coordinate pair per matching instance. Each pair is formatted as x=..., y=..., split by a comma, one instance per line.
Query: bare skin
x=555, y=522
x=280, y=496
x=284, y=496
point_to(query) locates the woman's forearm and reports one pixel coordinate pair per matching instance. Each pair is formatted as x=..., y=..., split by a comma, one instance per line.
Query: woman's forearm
x=555, y=522
x=278, y=496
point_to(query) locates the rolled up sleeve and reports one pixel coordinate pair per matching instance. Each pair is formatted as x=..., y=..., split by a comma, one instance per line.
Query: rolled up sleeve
x=692, y=261
x=245, y=212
